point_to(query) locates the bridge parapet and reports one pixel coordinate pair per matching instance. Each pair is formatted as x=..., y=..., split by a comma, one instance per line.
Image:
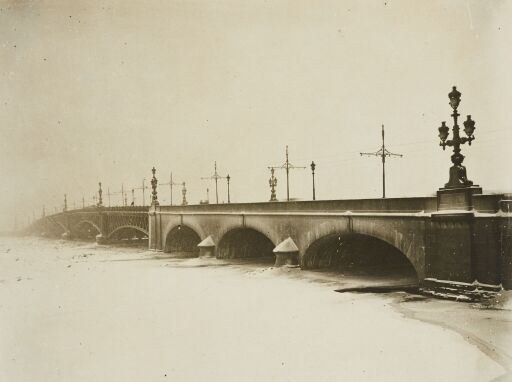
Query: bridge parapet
x=481, y=203
x=391, y=205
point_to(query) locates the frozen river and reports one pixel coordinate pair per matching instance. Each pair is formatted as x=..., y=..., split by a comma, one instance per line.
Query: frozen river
x=73, y=311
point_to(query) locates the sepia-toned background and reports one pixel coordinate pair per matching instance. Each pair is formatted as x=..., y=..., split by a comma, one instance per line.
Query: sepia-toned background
x=104, y=90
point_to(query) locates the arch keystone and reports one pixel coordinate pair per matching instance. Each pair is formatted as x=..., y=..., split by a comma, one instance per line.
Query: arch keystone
x=287, y=253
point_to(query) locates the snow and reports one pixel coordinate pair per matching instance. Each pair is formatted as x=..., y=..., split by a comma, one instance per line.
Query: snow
x=207, y=243
x=82, y=312
x=287, y=245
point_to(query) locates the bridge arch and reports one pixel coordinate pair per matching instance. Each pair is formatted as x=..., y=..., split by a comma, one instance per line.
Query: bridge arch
x=245, y=242
x=127, y=228
x=58, y=225
x=359, y=253
x=86, y=229
x=182, y=238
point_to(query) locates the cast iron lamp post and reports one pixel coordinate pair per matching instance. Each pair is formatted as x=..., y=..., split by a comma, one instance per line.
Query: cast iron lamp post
x=100, y=192
x=184, y=193
x=228, y=178
x=272, y=182
x=313, y=166
x=458, y=176
x=154, y=182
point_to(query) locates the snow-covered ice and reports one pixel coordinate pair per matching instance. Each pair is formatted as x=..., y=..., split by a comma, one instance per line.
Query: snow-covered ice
x=80, y=312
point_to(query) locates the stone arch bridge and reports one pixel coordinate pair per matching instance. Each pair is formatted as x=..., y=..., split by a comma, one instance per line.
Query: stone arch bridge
x=460, y=238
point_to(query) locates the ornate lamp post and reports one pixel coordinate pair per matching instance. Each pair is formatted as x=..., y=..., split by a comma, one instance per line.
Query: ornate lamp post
x=184, y=193
x=272, y=182
x=100, y=192
x=228, y=178
x=313, y=166
x=154, y=182
x=458, y=178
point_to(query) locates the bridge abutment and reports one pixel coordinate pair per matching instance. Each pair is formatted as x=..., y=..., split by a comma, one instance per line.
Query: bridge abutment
x=448, y=256
x=465, y=255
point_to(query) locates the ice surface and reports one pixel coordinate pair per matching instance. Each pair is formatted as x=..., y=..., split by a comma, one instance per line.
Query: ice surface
x=81, y=312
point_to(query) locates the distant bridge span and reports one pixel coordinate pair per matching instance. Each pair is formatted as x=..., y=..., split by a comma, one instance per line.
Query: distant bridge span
x=100, y=222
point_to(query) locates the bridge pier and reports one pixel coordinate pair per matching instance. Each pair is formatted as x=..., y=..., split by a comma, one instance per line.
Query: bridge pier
x=449, y=253
x=102, y=240
x=155, y=229
x=287, y=253
x=505, y=240
x=463, y=256
x=207, y=247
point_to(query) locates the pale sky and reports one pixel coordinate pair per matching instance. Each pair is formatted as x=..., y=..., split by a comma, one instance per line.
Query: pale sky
x=104, y=90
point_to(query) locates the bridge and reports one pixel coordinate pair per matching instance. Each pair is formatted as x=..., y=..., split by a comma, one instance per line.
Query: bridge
x=460, y=236
x=443, y=238
x=102, y=223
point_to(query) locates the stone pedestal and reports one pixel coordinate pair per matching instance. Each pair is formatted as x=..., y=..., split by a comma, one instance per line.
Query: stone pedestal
x=457, y=199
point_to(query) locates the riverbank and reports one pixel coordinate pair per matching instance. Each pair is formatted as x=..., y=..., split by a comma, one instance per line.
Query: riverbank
x=81, y=312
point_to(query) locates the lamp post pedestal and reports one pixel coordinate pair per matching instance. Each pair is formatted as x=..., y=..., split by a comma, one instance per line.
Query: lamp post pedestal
x=460, y=199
